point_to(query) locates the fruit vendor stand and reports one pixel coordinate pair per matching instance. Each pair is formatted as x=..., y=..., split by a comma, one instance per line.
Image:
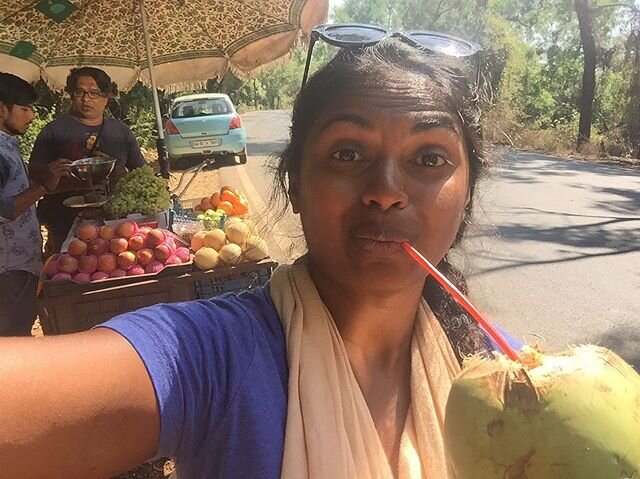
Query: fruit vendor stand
x=141, y=248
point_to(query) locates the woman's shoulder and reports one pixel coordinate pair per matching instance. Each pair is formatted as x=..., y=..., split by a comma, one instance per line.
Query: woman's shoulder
x=238, y=316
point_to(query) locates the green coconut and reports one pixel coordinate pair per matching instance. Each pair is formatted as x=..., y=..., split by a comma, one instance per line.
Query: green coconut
x=575, y=415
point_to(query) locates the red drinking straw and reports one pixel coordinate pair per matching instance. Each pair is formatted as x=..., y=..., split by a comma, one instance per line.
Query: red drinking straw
x=464, y=302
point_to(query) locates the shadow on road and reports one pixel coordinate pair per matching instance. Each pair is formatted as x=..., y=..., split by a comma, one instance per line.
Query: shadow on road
x=265, y=148
x=605, y=236
x=628, y=201
x=599, y=234
x=569, y=236
x=624, y=340
x=534, y=167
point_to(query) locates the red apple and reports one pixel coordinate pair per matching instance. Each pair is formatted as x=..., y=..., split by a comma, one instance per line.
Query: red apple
x=107, y=263
x=52, y=268
x=98, y=246
x=118, y=245
x=155, y=237
x=77, y=248
x=107, y=232
x=88, y=264
x=87, y=232
x=164, y=252
x=126, y=260
x=99, y=276
x=136, y=242
x=118, y=273
x=61, y=277
x=127, y=229
x=82, y=278
x=68, y=264
x=145, y=256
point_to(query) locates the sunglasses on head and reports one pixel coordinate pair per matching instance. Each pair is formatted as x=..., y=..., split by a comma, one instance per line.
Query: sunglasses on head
x=353, y=35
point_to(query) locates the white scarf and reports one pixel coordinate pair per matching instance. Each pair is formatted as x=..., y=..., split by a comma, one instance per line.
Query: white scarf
x=330, y=433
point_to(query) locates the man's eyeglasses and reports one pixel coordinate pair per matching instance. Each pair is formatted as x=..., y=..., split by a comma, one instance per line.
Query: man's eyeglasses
x=92, y=94
x=353, y=35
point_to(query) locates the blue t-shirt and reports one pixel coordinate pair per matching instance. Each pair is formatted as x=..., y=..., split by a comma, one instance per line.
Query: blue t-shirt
x=219, y=369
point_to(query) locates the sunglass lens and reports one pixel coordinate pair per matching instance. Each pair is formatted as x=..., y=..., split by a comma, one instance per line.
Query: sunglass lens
x=346, y=35
x=444, y=45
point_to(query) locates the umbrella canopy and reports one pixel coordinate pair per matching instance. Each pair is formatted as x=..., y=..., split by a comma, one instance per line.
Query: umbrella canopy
x=190, y=40
x=170, y=44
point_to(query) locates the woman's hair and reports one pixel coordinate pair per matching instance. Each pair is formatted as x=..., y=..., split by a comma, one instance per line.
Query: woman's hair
x=16, y=91
x=107, y=87
x=392, y=66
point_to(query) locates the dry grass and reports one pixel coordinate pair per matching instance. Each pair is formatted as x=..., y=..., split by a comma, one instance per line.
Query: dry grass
x=559, y=142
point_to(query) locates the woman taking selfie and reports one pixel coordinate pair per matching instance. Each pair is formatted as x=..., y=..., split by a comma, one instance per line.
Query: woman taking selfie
x=341, y=365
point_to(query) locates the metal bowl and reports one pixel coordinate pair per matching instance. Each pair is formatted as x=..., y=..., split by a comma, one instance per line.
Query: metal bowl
x=95, y=169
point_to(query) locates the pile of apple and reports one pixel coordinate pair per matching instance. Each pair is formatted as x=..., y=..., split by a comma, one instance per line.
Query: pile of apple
x=100, y=252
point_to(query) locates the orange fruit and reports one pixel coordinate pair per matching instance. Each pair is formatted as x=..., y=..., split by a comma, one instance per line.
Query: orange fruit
x=229, y=195
x=241, y=207
x=227, y=207
x=215, y=200
x=205, y=204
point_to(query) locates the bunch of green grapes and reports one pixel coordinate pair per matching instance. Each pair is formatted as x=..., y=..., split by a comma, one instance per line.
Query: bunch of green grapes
x=140, y=191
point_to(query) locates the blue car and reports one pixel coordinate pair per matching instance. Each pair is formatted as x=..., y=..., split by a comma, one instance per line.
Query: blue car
x=205, y=124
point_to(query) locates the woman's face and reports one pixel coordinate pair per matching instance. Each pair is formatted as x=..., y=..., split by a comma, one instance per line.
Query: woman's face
x=372, y=177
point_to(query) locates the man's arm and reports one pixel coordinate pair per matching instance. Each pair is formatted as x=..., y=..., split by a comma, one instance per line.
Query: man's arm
x=78, y=405
x=43, y=154
x=13, y=207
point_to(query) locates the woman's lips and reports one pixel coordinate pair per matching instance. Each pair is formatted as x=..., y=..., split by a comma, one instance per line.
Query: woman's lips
x=382, y=242
x=379, y=248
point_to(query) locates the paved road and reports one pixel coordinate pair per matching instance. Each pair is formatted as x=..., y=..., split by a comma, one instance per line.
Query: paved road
x=554, y=255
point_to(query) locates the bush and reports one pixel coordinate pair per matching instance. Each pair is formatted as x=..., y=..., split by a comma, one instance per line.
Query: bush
x=144, y=126
x=29, y=138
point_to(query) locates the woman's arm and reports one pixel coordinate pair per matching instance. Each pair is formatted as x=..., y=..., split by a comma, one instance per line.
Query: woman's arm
x=80, y=405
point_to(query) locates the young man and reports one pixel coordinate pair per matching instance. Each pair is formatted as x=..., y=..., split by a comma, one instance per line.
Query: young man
x=83, y=133
x=20, y=240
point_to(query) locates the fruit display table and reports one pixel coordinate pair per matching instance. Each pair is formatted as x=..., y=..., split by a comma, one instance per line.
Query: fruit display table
x=107, y=268
x=67, y=307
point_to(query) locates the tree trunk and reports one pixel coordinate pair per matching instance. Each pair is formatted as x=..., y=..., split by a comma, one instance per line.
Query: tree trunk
x=632, y=115
x=589, y=73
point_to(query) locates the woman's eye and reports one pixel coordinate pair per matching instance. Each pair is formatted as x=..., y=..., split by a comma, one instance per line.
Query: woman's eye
x=346, y=154
x=431, y=160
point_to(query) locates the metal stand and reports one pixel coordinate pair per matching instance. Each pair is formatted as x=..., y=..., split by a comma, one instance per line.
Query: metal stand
x=162, y=151
x=196, y=169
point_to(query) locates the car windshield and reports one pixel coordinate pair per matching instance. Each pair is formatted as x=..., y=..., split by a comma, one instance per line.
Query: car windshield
x=202, y=107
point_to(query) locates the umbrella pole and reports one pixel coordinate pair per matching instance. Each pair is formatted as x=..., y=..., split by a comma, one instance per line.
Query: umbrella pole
x=160, y=145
